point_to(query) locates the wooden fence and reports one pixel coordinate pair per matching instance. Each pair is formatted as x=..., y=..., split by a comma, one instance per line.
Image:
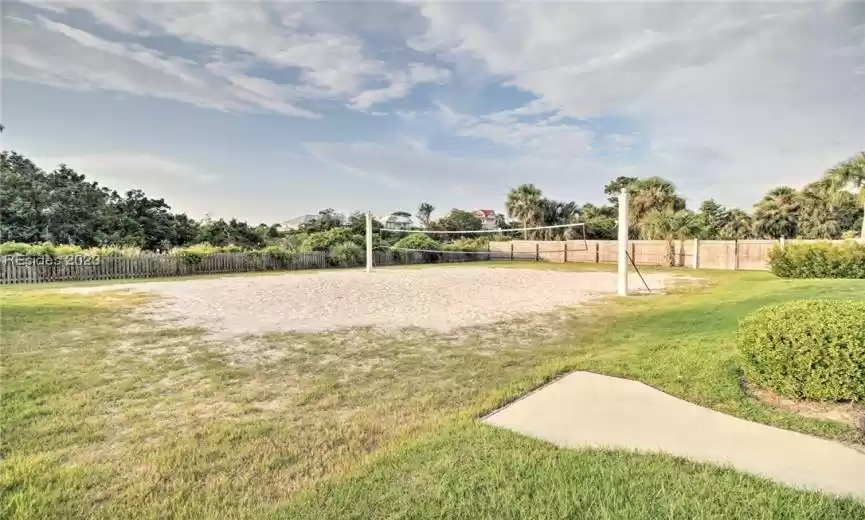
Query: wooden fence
x=15, y=269
x=705, y=254
x=710, y=254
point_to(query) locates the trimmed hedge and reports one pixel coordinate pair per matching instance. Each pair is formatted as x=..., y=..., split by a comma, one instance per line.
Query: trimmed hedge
x=813, y=349
x=819, y=260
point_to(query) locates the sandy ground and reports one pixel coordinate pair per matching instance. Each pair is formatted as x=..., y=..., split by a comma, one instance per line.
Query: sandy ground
x=438, y=299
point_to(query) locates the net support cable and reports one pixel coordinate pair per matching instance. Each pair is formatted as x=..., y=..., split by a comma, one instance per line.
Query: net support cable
x=638, y=271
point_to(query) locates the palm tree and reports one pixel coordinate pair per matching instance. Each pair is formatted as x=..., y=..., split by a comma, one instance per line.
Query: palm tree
x=525, y=204
x=850, y=174
x=653, y=194
x=818, y=212
x=667, y=226
x=554, y=213
x=424, y=212
x=777, y=215
x=737, y=225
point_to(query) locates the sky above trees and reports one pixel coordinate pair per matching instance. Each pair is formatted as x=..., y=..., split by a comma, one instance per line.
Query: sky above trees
x=265, y=111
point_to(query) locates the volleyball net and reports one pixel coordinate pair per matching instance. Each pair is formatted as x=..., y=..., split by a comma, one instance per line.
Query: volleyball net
x=432, y=245
x=454, y=245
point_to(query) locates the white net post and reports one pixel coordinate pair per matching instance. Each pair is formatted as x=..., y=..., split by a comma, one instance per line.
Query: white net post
x=369, y=241
x=623, y=243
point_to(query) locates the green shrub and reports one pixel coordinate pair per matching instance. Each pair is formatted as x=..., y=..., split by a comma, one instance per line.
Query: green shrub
x=324, y=240
x=346, y=254
x=43, y=249
x=280, y=253
x=190, y=257
x=230, y=248
x=292, y=241
x=417, y=241
x=468, y=244
x=15, y=248
x=812, y=349
x=67, y=249
x=818, y=260
x=118, y=251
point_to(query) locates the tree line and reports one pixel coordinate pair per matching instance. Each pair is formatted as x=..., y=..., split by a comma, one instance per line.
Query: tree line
x=823, y=209
x=63, y=207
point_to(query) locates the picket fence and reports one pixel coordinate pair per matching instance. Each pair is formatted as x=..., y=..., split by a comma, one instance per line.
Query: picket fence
x=17, y=269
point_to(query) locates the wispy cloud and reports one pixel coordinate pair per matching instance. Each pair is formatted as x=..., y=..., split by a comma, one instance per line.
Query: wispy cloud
x=130, y=166
x=723, y=93
x=329, y=66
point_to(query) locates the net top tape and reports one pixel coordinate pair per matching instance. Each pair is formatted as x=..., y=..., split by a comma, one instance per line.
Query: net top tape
x=473, y=231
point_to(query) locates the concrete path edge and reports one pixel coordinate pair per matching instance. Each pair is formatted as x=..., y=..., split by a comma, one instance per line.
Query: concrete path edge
x=588, y=410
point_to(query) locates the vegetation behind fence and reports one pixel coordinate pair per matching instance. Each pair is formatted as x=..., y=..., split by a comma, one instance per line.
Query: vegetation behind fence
x=16, y=269
x=702, y=254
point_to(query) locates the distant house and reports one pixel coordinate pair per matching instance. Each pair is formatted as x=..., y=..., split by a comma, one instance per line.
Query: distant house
x=487, y=217
x=296, y=222
x=398, y=220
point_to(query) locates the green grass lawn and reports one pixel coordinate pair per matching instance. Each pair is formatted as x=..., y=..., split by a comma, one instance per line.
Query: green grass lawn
x=473, y=471
x=106, y=415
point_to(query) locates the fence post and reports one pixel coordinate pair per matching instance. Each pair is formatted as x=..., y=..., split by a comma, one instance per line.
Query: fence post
x=696, y=259
x=566, y=252
x=512, y=251
x=597, y=253
x=537, y=252
x=736, y=254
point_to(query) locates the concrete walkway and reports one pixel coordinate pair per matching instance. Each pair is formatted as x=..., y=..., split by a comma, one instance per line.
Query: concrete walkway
x=590, y=410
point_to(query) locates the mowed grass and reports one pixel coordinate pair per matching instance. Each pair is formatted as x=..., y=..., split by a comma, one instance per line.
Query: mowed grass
x=473, y=471
x=105, y=414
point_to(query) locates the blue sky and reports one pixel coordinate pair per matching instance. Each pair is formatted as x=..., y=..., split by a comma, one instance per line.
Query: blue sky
x=265, y=111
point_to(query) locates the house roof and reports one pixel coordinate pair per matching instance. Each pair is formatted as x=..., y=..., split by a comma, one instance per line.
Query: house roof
x=487, y=213
x=296, y=221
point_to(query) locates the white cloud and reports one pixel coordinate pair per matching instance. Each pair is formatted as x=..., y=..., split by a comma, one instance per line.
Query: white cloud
x=416, y=144
x=623, y=141
x=285, y=36
x=536, y=107
x=15, y=19
x=130, y=166
x=544, y=138
x=401, y=83
x=725, y=93
x=62, y=56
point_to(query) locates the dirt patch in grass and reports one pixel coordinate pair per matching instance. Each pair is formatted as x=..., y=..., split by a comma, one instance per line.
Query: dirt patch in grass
x=847, y=413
